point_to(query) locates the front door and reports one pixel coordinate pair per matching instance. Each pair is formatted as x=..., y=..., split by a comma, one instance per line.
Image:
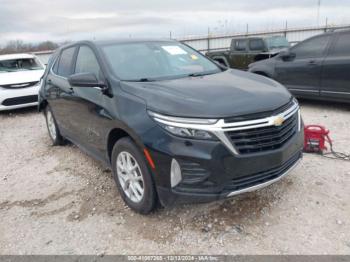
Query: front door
x=301, y=73
x=89, y=105
x=336, y=69
x=59, y=91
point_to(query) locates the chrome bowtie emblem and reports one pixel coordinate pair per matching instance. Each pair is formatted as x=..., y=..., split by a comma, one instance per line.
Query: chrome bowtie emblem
x=279, y=120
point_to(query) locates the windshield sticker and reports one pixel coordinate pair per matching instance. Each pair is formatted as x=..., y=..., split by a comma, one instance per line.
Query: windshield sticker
x=194, y=57
x=174, y=50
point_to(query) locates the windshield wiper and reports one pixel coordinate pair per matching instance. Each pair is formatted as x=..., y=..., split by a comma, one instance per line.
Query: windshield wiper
x=196, y=74
x=201, y=74
x=278, y=47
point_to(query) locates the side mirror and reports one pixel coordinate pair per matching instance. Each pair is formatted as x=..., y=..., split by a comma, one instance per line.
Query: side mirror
x=286, y=55
x=85, y=80
x=222, y=64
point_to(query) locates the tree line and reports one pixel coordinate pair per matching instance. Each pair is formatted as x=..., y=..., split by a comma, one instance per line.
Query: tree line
x=18, y=46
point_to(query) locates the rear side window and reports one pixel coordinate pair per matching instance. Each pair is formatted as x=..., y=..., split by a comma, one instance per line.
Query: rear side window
x=240, y=45
x=64, y=67
x=256, y=45
x=55, y=65
x=314, y=47
x=342, y=46
x=87, y=62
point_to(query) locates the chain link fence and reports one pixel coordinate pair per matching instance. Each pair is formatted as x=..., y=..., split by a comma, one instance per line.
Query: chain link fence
x=220, y=42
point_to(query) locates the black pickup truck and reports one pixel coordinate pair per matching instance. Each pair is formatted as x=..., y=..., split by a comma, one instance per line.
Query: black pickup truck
x=244, y=51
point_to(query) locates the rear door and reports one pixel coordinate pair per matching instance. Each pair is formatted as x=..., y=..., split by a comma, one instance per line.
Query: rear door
x=302, y=74
x=336, y=69
x=59, y=91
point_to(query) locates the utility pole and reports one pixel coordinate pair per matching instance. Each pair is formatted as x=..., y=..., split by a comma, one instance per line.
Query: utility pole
x=286, y=29
x=208, y=39
x=318, y=12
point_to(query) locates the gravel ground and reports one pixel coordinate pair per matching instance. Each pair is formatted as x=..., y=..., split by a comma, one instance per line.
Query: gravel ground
x=57, y=200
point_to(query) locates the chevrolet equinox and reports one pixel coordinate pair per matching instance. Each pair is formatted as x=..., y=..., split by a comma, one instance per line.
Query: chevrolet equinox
x=172, y=125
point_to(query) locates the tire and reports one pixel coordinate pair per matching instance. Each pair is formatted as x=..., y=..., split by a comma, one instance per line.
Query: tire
x=52, y=128
x=131, y=183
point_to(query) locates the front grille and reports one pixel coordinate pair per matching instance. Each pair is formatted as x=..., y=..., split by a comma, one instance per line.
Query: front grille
x=20, y=100
x=20, y=85
x=266, y=138
x=261, y=177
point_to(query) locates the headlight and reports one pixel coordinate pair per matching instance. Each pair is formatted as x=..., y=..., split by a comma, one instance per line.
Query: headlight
x=178, y=126
x=300, y=120
x=187, y=132
x=295, y=101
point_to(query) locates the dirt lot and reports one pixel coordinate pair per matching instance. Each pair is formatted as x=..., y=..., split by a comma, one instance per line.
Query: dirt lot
x=57, y=200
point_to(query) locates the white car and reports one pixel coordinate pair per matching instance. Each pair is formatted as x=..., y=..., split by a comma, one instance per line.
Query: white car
x=20, y=76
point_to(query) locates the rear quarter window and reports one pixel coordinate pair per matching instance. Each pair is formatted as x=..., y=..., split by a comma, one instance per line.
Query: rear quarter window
x=256, y=45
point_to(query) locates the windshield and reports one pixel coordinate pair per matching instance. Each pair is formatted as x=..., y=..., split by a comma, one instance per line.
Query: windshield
x=24, y=64
x=277, y=42
x=156, y=60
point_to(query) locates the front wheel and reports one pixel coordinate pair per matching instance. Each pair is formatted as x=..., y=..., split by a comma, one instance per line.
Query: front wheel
x=133, y=179
x=52, y=128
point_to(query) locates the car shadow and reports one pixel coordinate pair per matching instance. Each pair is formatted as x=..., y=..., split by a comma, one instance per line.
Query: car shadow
x=324, y=104
x=20, y=111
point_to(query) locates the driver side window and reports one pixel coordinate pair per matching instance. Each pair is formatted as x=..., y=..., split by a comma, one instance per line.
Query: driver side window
x=312, y=48
x=87, y=62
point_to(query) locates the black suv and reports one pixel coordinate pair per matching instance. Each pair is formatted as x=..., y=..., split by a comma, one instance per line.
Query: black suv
x=316, y=68
x=171, y=124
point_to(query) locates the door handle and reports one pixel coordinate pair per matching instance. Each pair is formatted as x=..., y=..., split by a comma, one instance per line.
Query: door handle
x=70, y=91
x=312, y=62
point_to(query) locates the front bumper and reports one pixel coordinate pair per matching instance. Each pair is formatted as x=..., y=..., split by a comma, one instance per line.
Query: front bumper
x=211, y=172
x=18, y=98
x=170, y=197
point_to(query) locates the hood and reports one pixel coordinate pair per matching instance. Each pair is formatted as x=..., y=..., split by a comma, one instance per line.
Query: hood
x=9, y=78
x=269, y=61
x=226, y=94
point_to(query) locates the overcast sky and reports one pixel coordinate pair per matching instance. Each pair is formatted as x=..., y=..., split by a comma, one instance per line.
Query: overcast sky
x=63, y=20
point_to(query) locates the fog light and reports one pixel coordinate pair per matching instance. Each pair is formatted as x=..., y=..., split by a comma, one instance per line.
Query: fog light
x=175, y=173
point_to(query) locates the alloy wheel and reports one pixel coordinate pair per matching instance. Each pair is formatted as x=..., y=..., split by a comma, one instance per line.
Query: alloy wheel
x=130, y=176
x=51, y=125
